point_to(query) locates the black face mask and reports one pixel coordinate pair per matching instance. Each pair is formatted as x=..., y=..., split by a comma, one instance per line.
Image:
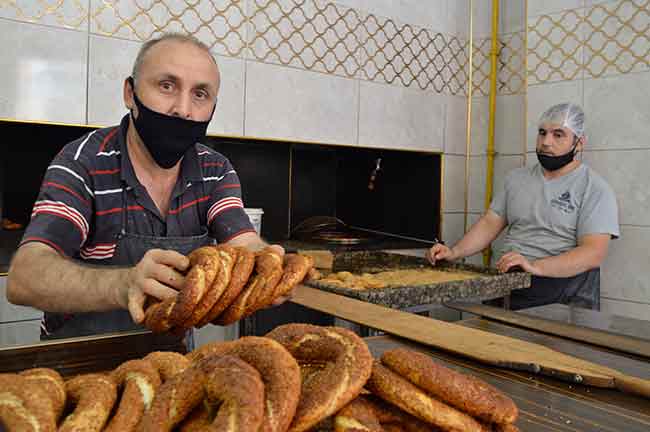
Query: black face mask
x=554, y=163
x=166, y=137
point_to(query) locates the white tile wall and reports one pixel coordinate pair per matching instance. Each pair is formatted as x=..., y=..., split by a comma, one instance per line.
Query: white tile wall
x=229, y=114
x=458, y=17
x=429, y=14
x=43, y=71
x=397, y=117
x=301, y=35
x=513, y=15
x=453, y=228
x=482, y=19
x=476, y=259
x=480, y=125
x=72, y=14
x=624, y=275
x=456, y=125
x=298, y=105
x=627, y=173
x=617, y=39
x=111, y=61
x=556, y=47
x=454, y=183
x=478, y=168
x=617, y=111
x=477, y=173
x=510, y=125
x=541, y=7
x=221, y=25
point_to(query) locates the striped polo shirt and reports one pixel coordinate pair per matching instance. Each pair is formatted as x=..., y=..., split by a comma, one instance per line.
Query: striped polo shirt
x=91, y=183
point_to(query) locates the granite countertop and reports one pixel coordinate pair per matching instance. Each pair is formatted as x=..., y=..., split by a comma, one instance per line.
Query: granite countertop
x=489, y=285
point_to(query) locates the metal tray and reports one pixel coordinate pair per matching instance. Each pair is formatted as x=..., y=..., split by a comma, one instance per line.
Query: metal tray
x=490, y=285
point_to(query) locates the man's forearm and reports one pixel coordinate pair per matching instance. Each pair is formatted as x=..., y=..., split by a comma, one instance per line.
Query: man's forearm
x=249, y=240
x=568, y=264
x=41, y=278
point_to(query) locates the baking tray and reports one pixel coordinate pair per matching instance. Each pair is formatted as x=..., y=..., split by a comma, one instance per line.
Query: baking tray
x=490, y=285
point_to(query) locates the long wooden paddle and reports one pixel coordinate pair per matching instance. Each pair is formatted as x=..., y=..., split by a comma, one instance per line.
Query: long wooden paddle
x=479, y=345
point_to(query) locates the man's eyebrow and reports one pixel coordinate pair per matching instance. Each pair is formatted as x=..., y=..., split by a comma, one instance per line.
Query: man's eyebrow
x=168, y=76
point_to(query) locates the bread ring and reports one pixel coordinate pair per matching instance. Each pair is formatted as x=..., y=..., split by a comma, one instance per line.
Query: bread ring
x=243, y=263
x=270, y=268
x=158, y=316
x=239, y=391
x=357, y=416
x=265, y=277
x=198, y=420
x=167, y=363
x=467, y=393
x=217, y=287
x=25, y=405
x=400, y=392
x=278, y=369
x=175, y=399
x=204, y=267
x=52, y=383
x=94, y=396
x=346, y=365
x=225, y=381
x=371, y=414
x=140, y=381
x=207, y=260
x=295, y=270
x=234, y=389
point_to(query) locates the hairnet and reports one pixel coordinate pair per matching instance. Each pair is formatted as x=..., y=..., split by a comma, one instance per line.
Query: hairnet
x=568, y=115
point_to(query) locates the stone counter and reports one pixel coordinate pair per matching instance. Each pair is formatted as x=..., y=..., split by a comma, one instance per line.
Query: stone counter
x=489, y=285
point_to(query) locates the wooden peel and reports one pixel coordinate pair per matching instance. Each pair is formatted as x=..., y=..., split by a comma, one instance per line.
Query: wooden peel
x=479, y=345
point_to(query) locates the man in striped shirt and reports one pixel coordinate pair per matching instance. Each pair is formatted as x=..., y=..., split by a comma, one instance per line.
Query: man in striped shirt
x=120, y=207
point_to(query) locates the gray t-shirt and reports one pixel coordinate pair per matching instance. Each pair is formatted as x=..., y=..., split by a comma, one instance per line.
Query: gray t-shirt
x=547, y=217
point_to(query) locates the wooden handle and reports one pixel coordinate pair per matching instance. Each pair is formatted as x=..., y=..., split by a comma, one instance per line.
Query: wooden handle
x=633, y=385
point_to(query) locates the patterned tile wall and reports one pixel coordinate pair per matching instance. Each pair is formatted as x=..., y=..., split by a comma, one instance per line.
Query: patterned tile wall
x=315, y=35
x=606, y=39
x=511, y=74
x=72, y=14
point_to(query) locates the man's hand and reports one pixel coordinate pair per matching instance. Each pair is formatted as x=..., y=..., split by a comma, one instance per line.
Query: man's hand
x=438, y=252
x=158, y=274
x=514, y=259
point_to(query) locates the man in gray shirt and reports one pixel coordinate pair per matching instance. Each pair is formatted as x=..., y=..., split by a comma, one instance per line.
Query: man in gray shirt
x=559, y=216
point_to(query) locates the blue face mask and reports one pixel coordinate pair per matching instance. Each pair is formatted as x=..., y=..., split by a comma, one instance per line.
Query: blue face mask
x=167, y=138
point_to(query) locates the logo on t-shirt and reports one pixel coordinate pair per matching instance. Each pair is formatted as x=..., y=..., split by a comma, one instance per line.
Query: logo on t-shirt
x=563, y=203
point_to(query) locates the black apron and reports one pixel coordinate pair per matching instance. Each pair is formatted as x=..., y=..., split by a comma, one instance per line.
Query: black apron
x=582, y=290
x=129, y=251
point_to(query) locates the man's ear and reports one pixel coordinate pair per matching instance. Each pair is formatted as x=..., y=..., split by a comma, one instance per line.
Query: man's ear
x=127, y=93
x=580, y=144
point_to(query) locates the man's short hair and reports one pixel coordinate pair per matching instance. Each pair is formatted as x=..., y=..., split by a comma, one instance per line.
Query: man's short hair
x=179, y=37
